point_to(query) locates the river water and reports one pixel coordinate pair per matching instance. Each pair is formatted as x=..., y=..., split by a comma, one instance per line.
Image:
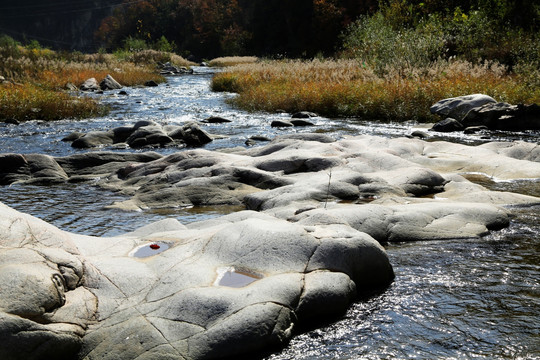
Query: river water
x=450, y=299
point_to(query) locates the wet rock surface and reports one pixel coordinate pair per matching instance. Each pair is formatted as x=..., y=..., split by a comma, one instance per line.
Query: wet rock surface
x=465, y=112
x=323, y=208
x=458, y=107
x=143, y=134
x=298, y=168
x=503, y=116
x=109, y=83
x=90, y=297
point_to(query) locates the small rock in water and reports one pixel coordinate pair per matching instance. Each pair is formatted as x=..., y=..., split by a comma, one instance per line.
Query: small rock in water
x=303, y=115
x=73, y=136
x=151, y=83
x=419, y=134
x=447, y=125
x=217, y=120
x=260, y=138
x=12, y=121
x=90, y=85
x=109, y=83
x=475, y=129
x=71, y=87
x=281, y=123
x=300, y=122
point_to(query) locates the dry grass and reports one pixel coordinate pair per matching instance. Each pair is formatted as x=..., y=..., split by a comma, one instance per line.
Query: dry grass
x=41, y=77
x=350, y=88
x=232, y=61
x=27, y=102
x=56, y=73
x=151, y=57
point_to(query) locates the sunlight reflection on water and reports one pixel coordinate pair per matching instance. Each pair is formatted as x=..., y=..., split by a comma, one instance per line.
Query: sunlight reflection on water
x=451, y=299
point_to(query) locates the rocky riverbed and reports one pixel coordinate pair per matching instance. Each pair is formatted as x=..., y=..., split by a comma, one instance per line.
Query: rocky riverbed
x=318, y=210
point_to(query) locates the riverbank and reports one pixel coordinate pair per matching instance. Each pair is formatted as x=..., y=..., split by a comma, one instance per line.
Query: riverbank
x=351, y=88
x=44, y=84
x=459, y=287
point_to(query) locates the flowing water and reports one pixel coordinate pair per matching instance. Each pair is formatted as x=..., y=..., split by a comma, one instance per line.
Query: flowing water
x=450, y=299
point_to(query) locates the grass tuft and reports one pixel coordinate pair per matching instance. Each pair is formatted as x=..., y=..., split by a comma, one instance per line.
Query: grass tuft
x=232, y=61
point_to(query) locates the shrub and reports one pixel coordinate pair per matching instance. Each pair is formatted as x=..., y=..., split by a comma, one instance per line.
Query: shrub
x=132, y=44
x=9, y=47
x=164, y=45
x=403, y=35
x=373, y=40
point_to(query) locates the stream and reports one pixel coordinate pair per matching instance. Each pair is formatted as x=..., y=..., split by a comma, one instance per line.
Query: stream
x=450, y=299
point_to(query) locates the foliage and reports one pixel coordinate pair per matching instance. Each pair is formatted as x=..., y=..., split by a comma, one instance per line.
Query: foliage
x=152, y=57
x=303, y=28
x=401, y=34
x=212, y=28
x=376, y=42
x=164, y=45
x=9, y=47
x=132, y=44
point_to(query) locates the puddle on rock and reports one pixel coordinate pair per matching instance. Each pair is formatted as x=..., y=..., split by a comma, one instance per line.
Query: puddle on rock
x=148, y=250
x=235, y=277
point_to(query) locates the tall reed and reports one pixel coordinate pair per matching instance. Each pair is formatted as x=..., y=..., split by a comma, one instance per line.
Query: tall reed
x=37, y=79
x=350, y=88
x=232, y=60
x=27, y=102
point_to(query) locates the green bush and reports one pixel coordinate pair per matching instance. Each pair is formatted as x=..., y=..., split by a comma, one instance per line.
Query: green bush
x=401, y=36
x=373, y=40
x=33, y=45
x=164, y=45
x=132, y=44
x=9, y=47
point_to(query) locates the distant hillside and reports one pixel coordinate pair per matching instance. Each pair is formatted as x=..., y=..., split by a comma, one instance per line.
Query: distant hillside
x=59, y=24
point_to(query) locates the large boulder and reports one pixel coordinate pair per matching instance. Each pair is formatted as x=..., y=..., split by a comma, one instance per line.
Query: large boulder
x=148, y=136
x=216, y=289
x=90, y=85
x=45, y=169
x=458, y=107
x=109, y=83
x=30, y=168
x=95, y=164
x=144, y=133
x=191, y=134
x=503, y=116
